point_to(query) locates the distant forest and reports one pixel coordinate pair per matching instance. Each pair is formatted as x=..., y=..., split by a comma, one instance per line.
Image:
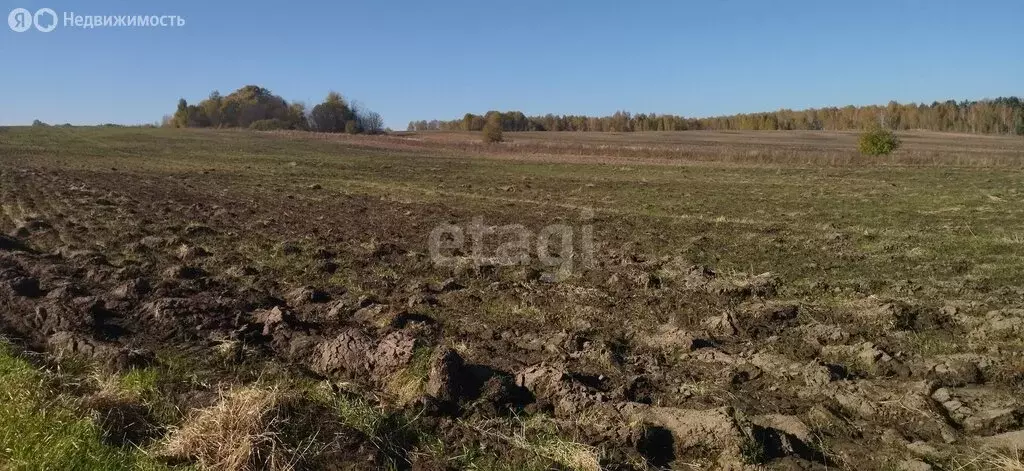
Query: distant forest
x=998, y=116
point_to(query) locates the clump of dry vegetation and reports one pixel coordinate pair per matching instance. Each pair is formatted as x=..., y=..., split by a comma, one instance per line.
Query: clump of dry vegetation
x=539, y=436
x=257, y=428
x=236, y=433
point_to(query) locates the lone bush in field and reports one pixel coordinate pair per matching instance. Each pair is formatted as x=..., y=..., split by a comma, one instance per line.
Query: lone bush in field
x=492, y=131
x=878, y=141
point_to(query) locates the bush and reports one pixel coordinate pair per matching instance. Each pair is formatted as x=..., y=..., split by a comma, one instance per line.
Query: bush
x=269, y=125
x=352, y=127
x=878, y=141
x=492, y=131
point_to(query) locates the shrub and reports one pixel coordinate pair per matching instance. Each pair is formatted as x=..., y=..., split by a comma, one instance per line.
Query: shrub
x=492, y=131
x=269, y=125
x=352, y=127
x=878, y=141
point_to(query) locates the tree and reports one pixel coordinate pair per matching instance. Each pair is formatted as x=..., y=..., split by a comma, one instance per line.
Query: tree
x=992, y=116
x=492, y=130
x=180, y=119
x=332, y=115
x=211, y=108
x=297, y=116
x=37, y=123
x=326, y=118
x=196, y=117
x=370, y=121
x=246, y=105
x=252, y=103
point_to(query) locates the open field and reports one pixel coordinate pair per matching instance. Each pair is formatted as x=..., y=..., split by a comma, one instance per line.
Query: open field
x=818, y=148
x=226, y=299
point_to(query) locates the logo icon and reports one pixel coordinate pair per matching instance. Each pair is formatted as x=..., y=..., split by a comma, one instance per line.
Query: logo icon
x=41, y=15
x=20, y=20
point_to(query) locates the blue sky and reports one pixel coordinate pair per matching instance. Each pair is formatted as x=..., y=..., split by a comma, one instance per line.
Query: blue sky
x=422, y=60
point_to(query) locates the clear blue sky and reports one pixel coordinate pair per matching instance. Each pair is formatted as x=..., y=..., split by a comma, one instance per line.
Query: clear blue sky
x=439, y=59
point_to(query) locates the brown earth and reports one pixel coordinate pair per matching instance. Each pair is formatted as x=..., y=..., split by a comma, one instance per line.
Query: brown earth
x=656, y=361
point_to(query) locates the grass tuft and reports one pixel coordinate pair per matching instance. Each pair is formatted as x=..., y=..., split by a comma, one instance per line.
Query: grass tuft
x=540, y=436
x=235, y=433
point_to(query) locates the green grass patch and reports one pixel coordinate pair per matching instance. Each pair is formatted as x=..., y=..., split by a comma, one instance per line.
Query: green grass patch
x=43, y=430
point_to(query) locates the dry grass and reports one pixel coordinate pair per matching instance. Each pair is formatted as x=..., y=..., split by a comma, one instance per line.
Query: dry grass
x=406, y=385
x=538, y=435
x=993, y=460
x=236, y=433
x=1001, y=462
x=120, y=412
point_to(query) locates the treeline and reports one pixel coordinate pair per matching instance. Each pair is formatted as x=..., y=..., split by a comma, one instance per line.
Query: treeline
x=256, y=107
x=513, y=121
x=998, y=116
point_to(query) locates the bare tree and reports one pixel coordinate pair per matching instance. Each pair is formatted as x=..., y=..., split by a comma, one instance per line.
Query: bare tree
x=370, y=121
